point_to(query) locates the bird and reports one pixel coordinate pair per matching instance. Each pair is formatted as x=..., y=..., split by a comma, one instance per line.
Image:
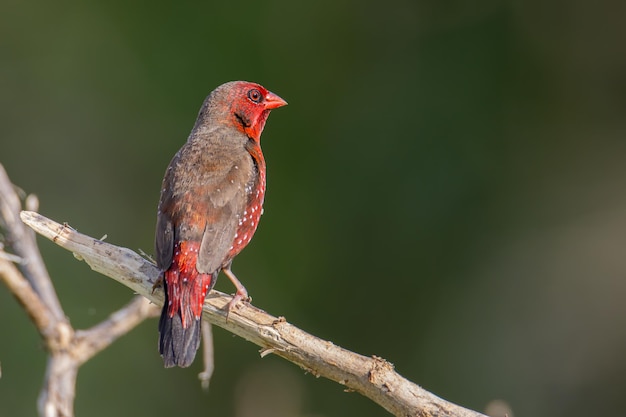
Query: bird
x=210, y=205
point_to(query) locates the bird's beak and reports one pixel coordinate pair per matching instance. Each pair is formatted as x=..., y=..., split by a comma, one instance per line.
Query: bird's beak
x=272, y=101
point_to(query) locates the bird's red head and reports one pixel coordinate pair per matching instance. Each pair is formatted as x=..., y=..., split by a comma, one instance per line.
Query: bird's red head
x=243, y=104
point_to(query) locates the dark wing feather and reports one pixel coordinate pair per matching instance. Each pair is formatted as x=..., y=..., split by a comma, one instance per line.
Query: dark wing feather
x=164, y=237
x=164, y=241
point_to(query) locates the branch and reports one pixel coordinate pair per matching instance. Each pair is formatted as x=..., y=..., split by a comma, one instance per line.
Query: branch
x=25, y=294
x=373, y=377
x=30, y=283
x=22, y=240
x=89, y=342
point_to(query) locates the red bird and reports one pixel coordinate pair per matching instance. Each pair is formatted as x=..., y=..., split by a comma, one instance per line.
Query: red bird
x=210, y=206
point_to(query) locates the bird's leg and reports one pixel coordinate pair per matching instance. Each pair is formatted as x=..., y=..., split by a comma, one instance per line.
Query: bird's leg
x=241, y=294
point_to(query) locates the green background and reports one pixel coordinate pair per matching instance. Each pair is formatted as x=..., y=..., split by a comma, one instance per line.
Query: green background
x=446, y=189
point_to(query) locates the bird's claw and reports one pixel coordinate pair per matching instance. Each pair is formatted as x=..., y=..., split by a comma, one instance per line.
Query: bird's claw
x=234, y=303
x=158, y=283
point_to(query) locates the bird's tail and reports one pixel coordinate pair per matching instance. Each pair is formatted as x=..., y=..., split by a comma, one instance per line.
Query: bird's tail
x=178, y=345
x=185, y=290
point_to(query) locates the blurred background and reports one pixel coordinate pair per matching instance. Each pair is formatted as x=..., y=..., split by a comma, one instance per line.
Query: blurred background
x=445, y=190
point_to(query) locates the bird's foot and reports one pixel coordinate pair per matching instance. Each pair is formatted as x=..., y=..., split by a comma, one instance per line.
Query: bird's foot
x=240, y=296
x=158, y=283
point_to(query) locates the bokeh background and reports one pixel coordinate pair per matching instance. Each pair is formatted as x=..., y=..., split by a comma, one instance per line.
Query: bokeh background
x=446, y=189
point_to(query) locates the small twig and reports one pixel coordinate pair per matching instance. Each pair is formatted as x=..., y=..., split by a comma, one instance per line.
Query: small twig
x=373, y=377
x=10, y=257
x=207, y=355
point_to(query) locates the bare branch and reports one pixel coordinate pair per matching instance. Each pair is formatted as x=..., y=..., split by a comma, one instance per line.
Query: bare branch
x=89, y=342
x=22, y=240
x=25, y=295
x=207, y=355
x=31, y=286
x=56, y=398
x=373, y=377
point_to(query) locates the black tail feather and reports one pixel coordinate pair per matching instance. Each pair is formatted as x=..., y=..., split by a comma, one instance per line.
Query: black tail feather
x=178, y=346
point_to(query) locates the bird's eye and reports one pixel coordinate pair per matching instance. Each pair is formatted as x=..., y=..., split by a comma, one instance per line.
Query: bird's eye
x=255, y=95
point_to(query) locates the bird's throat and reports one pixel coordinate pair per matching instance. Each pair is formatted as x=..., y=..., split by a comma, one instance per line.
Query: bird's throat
x=252, y=126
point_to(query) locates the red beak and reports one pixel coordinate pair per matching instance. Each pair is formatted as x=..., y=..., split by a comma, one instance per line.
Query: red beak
x=272, y=101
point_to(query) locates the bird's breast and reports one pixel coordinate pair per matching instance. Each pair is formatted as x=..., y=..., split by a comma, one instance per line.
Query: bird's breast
x=248, y=220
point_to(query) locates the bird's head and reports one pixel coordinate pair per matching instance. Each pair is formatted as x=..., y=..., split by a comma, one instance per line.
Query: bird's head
x=242, y=104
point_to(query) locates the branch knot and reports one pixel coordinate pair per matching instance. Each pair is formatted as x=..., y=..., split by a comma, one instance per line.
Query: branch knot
x=60, y=337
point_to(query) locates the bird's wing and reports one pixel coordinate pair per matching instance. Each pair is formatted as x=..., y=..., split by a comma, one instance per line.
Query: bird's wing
x=164, y=241
x=227, y=202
